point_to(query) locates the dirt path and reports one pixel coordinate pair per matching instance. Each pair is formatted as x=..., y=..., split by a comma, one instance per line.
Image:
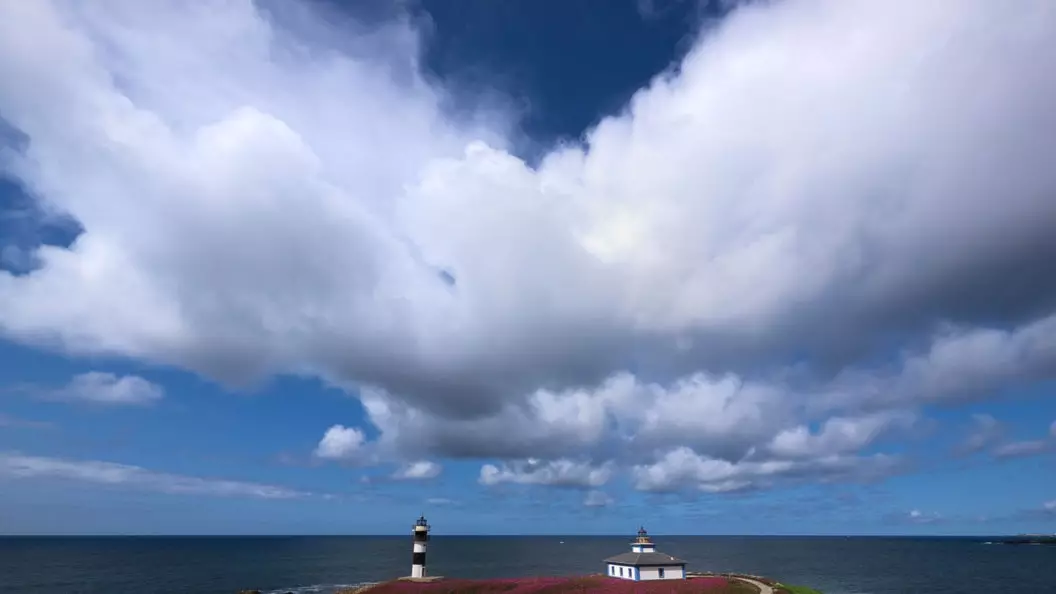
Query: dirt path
x=763, y=588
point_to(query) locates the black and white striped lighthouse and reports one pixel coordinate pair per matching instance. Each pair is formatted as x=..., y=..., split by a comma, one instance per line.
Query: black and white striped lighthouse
x=421, y=536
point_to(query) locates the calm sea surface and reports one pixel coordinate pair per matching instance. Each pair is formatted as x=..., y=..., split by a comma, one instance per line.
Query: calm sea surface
x=318, y=564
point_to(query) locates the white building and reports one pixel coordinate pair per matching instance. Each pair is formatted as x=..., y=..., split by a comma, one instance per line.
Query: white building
x=644, y=563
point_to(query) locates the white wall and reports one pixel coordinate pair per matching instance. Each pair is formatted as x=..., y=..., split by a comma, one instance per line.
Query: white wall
x=671, y=572
x=614, y=571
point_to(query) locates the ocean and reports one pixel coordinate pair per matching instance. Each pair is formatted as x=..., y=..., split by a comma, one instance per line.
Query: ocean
x=225, y=565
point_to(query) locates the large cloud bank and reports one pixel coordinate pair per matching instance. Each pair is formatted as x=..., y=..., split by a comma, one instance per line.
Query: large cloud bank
x=834, y=211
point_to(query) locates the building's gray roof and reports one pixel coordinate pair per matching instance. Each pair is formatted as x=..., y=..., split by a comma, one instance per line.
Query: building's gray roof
x=641, y=559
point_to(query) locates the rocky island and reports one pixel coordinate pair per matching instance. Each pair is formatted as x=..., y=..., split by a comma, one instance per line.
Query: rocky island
x=694, y=583
x=1027, y=539
x=642, y=570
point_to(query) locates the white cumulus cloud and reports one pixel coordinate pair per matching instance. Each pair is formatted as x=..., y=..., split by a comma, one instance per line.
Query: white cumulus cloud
x=711, y=271
x=917, y=516
x=14, y=465
x=1018, y=449
x=96, y=387
x=682, y=467
x=340, y=443
x=418, y=471
x=597, y=499
x=838, y=435
x=554, y=473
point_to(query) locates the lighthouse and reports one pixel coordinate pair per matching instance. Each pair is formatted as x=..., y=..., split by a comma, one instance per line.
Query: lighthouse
x=644, y=563
x=421, y=536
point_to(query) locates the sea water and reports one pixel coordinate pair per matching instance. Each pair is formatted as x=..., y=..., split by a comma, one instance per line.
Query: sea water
x=225, y=565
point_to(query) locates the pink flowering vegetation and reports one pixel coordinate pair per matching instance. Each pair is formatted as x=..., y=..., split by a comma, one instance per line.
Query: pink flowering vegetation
x=569, y=585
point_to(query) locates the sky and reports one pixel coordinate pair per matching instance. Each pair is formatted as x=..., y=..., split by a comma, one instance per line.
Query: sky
x=711, y=267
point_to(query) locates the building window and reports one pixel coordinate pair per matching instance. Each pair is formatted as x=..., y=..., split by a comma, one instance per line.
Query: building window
x=621, y=572
x=661, y=572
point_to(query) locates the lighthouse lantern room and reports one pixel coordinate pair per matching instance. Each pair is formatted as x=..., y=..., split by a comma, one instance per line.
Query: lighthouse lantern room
x=642, y=544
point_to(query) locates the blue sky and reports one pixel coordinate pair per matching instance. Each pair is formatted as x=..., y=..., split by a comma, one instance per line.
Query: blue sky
x=711, y=267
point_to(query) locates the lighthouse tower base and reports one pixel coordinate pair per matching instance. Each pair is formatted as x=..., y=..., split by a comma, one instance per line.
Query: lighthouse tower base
x=427, y=579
